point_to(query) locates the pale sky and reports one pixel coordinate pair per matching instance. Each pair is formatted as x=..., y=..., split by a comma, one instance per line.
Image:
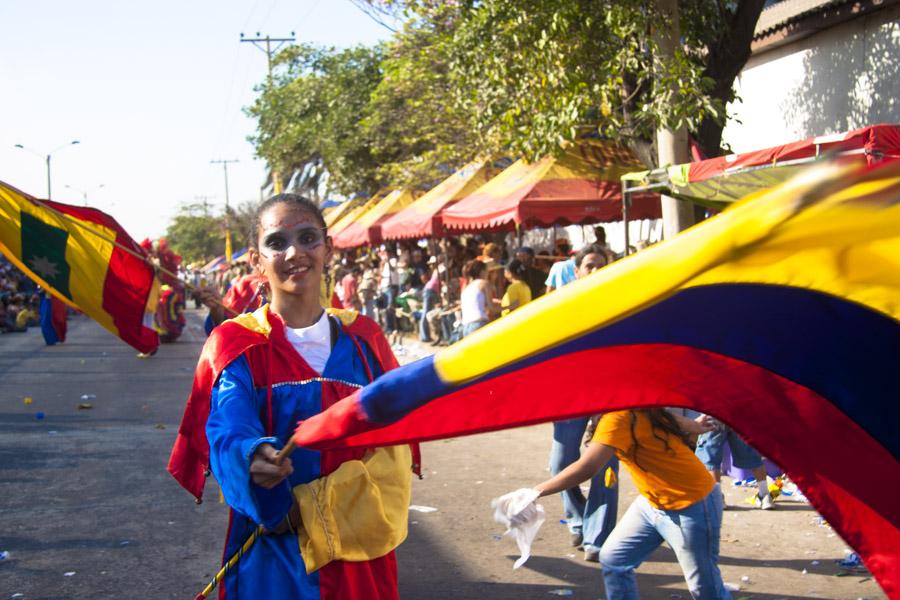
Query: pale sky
x=153, y=91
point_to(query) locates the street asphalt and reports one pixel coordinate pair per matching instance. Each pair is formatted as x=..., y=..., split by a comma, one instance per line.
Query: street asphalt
x=88, y=511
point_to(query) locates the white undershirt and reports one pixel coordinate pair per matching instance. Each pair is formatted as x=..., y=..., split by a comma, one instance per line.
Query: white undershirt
x=313, y=343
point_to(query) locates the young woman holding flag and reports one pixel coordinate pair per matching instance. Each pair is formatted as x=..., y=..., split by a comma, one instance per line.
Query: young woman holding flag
x=259, y=374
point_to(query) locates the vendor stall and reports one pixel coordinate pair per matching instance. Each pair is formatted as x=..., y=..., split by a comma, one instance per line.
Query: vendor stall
x=424, y=217
x=578, y=187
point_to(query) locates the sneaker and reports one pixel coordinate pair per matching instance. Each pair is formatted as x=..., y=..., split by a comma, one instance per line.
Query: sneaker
x=576, y=539
x=592, y=556
x=765, y=502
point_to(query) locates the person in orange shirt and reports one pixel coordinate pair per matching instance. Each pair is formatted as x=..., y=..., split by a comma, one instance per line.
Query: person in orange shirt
x=679, y=501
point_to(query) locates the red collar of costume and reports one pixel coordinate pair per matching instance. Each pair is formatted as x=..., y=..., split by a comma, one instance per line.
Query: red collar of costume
x=189, y=461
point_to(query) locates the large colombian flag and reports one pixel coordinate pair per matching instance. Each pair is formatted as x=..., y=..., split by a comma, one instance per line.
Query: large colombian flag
x=781, y=316
x=81, y=256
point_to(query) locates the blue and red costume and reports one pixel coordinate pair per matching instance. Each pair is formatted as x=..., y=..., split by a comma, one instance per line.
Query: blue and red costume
x=252, y=387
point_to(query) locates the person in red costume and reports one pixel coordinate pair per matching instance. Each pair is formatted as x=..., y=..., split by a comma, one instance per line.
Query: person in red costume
x=261, y=372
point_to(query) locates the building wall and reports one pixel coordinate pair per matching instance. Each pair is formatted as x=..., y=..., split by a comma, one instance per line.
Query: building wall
x=839, y=79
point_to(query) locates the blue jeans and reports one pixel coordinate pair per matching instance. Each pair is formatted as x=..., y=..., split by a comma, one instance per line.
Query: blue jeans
x=711, y=445
x=693, y=533
x=470, y=328
x=594, y=516
x=429, y=301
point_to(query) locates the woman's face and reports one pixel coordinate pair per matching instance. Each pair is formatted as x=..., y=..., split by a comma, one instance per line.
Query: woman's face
x=292, y=250
x=589, y=264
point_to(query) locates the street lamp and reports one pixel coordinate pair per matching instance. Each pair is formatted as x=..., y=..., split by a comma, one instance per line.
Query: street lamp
x=47, y=157
x=83, y=193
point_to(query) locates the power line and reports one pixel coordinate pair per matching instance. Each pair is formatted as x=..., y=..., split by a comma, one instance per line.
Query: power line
x=270, y=53
x=268, y=49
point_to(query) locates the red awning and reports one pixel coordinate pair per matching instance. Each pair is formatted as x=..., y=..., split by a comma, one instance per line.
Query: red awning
x=580, y=186
x=874, y=142
x=366, y=229
x=423, y=218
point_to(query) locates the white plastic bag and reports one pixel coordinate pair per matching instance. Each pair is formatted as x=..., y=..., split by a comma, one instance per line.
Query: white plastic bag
x=522, y=517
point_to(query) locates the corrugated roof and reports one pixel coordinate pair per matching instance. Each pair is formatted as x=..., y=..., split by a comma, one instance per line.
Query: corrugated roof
x=782, y=14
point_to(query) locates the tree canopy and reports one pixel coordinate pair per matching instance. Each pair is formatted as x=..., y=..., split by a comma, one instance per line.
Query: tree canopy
x=199, y=235
x=464, y=79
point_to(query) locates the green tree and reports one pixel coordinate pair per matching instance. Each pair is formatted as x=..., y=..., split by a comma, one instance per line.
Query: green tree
x=240, y=219
x=195, y=234
x=309, y=121
x=417, y=132
x=529, y=74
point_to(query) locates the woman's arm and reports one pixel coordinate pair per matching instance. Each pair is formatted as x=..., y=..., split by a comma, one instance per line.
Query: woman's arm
x=592, y=460
x=701, y=424
x=491, y=304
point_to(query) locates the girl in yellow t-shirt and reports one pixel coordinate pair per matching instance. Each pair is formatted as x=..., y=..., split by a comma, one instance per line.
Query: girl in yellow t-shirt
x=518, y=292
x=679, y=502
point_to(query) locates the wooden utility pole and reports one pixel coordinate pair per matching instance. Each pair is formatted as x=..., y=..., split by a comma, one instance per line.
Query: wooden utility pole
x=224, y=164
x=270, y=53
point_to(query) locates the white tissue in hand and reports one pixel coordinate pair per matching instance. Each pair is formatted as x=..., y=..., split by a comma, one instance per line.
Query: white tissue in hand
x=522, y=517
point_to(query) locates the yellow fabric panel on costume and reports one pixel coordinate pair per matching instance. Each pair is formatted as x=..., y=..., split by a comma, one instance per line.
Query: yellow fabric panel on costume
x=832, y=227
x=359, y=512
x=346, y=315
x=256, y=321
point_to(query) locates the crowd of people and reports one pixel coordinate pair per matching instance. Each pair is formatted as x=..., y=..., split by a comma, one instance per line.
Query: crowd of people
x=445, y=291
x=19, y=300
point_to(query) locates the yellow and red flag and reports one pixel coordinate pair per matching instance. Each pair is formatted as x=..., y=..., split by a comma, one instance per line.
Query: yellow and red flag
x=83, y=257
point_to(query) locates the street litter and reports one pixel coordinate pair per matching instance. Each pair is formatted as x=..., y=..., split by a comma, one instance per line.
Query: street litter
x=4, y=555
x=68, y=573
x=27, y=400
x=560, y=592
x=732, y=587
x=85, y=406
x=88, y=396
x=852, y=561
x=422, y=509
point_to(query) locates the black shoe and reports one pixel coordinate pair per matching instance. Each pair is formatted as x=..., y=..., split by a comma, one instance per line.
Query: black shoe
x=592, y=556
x=576, y=539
